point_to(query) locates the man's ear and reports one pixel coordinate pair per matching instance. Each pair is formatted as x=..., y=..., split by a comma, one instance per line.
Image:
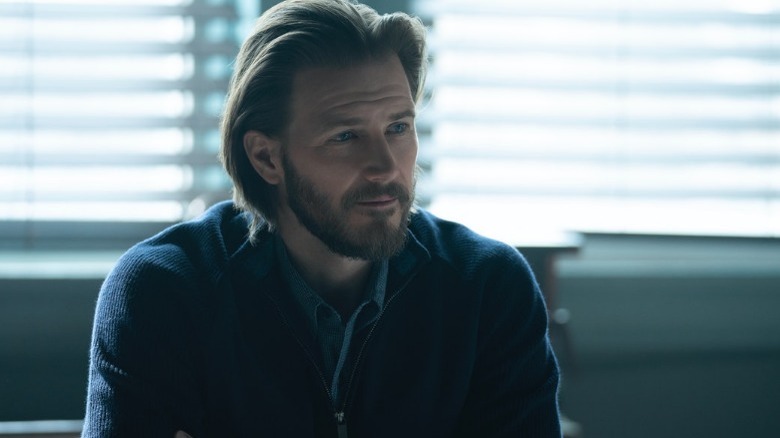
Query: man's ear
x=264, y=153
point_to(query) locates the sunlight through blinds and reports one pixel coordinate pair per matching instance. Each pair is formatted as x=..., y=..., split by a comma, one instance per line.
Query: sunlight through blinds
x=109, y=109
x=640, y=117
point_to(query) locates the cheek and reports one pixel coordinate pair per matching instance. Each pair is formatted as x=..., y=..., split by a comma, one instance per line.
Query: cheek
x=333, y=179
x=408, y=160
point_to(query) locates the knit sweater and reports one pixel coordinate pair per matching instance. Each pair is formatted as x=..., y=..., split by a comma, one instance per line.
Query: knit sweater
x=194, y=331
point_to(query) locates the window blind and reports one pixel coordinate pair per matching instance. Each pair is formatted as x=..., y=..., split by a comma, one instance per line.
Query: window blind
x=655, y=117
x=109, y=115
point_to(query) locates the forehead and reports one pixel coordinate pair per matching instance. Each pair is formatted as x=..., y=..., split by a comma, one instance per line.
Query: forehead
x=323, y=93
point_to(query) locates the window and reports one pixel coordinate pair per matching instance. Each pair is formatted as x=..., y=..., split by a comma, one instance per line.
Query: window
x=640, y=117
x=649, y=117
x=109, y=116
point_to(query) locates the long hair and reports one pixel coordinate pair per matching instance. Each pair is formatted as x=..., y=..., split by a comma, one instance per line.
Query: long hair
x=296, y=35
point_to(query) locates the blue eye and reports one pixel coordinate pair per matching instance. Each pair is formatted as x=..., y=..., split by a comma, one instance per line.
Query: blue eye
x=343, y=137
x=398, y=128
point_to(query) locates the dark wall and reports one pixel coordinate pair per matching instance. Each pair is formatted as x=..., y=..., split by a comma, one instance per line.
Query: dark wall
x=673, y=357
x=45, y=328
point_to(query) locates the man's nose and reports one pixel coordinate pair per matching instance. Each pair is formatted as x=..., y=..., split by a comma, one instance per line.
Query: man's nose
x=380, y=161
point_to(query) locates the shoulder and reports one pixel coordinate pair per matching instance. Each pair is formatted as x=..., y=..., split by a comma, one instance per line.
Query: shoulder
x=492, y=276
x=157, y=303
x=180, y=260
x=204, y=244
x=458, y=245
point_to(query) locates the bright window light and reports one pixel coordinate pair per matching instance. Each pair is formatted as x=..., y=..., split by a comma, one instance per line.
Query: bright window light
x=107, y=108
x=150, y=67
x=160, y=30
x=644, y=117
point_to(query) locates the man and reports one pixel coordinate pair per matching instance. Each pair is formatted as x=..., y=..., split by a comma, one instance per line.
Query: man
x=321, y=303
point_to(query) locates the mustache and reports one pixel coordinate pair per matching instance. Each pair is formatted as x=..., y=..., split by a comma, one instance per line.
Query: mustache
x=370, y=191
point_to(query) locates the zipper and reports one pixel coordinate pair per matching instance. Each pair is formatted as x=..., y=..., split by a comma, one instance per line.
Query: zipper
x=341, y=421
x=339, y=415
x=341, y=425
x=308, y=353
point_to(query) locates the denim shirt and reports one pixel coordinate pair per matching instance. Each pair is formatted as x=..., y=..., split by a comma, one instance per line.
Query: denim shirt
x=335, y=337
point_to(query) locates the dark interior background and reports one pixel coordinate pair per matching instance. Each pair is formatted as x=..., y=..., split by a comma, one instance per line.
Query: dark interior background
x=672, y=337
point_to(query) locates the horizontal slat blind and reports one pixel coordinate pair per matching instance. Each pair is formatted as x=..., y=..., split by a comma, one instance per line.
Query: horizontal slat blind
x=645, y=117
x=109, y=110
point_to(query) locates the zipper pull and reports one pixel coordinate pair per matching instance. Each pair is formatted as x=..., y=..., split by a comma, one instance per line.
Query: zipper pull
x=341, y=424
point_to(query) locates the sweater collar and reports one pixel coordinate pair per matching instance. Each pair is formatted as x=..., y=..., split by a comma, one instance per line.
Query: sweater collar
x=262, y=258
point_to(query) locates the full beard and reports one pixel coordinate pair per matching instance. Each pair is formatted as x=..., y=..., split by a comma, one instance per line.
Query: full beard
x=378, y=240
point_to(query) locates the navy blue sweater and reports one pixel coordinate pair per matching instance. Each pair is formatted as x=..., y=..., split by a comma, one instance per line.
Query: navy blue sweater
x=195, y=331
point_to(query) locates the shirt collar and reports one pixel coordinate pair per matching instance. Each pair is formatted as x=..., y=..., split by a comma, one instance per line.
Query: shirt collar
x=310, y=301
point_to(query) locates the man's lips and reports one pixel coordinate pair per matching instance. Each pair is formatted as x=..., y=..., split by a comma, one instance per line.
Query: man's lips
x=378, y=201
x=377, y=196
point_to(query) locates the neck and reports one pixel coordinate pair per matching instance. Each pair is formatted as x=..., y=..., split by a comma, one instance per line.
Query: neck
x=339, y=280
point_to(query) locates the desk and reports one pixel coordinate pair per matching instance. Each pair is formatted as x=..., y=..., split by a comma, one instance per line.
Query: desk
x=543, y=256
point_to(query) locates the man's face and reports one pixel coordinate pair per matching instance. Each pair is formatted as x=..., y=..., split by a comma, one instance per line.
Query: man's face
x=349, y=157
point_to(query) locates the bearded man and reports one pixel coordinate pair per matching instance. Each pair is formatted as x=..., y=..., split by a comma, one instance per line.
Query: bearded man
x=321, y=302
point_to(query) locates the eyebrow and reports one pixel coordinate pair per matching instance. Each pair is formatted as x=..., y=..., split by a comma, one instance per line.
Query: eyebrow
x=330, y=122
x=403, y=114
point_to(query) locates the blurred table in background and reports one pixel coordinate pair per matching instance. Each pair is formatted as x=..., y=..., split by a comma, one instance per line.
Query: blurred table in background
x=41, y=429
x=543, y=254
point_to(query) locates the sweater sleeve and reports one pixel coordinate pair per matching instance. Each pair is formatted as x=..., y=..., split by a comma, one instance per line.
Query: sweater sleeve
x=515, y=378
x=142, y=376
